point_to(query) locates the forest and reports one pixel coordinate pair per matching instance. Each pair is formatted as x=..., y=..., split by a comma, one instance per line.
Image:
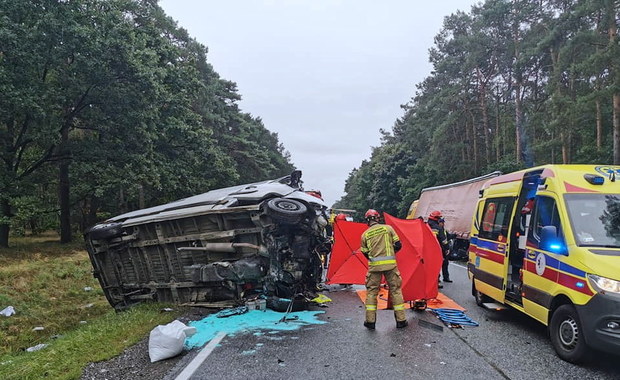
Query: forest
x=514, y=84
x=108, y=106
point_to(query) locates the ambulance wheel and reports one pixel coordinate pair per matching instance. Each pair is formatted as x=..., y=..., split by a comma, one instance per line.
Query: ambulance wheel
x=481, y=299
x=567, y=335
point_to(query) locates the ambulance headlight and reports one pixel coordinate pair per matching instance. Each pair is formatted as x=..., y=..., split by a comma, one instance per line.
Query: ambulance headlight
x=603, y=284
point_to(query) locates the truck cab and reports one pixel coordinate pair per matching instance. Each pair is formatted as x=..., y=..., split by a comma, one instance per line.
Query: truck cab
x=546, y=241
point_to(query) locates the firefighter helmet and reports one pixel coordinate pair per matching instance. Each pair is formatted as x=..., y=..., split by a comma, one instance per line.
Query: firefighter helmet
x=435, y=215
x=341, y=217
x=371, y=214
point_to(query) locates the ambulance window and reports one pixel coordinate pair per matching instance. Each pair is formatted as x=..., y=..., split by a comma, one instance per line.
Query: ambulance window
x=495, y=218
x=545, y=214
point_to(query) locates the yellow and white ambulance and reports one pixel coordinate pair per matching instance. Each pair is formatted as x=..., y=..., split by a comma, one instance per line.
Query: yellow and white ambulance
x=546, y=241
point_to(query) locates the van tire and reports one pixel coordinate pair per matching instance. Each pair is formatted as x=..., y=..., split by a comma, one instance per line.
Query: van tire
x=566, y=335
x=105, y=231
x=287, y=211
x=481, y=299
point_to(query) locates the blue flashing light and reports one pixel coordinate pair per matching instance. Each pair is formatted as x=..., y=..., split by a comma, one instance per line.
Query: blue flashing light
x=594, y=179
x=580, y=284
x=555, y=247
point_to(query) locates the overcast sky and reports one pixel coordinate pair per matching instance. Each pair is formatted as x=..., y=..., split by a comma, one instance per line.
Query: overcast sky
x=325, y=75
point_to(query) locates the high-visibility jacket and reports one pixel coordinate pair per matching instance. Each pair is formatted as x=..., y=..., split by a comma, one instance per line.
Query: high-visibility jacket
x=378, y=245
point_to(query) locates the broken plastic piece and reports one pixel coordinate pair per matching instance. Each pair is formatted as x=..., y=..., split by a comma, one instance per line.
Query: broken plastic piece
x=321, y=299
x=232, y=311
x=38, y=328
x=8, y=311
x=36, y=348
x=88, y=289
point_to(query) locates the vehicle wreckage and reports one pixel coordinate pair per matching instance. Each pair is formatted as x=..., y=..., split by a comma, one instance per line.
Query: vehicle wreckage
x=262, y=239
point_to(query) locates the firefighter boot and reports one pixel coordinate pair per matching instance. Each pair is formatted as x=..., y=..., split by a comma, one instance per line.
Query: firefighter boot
x=370, y=325
x=401, y=324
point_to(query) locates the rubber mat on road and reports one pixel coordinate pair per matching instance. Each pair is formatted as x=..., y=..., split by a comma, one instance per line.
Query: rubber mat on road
x=442, y=301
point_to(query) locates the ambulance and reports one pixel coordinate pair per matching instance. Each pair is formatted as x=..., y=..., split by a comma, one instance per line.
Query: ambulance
x=546, y=241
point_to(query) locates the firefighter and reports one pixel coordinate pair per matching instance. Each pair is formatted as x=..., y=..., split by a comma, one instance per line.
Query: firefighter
x=436, y=223
x=380, y=244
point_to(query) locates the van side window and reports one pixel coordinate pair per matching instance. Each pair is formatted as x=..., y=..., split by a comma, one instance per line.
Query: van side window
x=545, y=214
x=495, y=219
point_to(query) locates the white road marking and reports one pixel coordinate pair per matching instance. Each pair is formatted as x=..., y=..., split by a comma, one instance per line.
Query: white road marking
x=458, y=265
x=189, y=370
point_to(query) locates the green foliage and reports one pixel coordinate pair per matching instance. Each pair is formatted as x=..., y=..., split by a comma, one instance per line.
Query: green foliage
x=546, y=71
x=118, y=94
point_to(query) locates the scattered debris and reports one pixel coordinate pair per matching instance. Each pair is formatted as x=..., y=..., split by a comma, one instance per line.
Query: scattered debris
x=258, y=323
x=392, y=355
x=36, y=348
x=88, y=306
x=427, y=344
x=442, y=363
x=83, y=322
x=166, y=341
x=38, y=328
x=88, y=289
x=453, y=318
x=233, y=311
x=321, y=299
x=8, y=311
x=167, y=309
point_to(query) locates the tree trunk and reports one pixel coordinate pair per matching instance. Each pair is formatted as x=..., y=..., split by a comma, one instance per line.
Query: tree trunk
x=482, y=90
x=498, y=137
x=5, y=209
x=518, y=121
x=141, y=202
x=565, y=153
x=599, y=125
x=64, y=187
x=615, y=67
x=475, y=142
x=616, y=129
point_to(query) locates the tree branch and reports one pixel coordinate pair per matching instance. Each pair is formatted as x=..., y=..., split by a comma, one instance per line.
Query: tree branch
x=46, y=156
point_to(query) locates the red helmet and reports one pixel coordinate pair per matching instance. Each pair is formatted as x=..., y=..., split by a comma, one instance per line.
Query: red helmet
x=371, y=214
x=435, y=215
x=341, y=217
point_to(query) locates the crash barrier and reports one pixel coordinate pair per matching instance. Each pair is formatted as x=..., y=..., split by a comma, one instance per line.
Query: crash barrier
x=453, y=317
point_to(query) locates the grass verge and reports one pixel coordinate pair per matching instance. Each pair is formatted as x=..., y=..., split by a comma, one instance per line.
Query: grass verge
x=51, y=286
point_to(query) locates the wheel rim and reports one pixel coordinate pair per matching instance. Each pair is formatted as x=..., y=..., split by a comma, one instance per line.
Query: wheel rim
x=569, y=333
x=288, y=206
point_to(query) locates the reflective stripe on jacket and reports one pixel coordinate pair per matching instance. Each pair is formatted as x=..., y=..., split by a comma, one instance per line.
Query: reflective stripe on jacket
x=378, y=245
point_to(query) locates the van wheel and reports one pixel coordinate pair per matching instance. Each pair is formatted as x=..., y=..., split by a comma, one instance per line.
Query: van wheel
x=105, y=231
x=288, y=211
x=481, y=299
x=567, y=335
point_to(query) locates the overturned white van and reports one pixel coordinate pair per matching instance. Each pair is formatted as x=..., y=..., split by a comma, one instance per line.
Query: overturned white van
x=217, y=248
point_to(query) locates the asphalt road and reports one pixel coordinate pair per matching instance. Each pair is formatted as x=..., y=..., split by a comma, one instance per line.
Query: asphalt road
x=506, y=345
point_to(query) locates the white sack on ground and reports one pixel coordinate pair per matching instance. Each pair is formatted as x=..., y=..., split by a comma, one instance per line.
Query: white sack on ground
x=167, y=341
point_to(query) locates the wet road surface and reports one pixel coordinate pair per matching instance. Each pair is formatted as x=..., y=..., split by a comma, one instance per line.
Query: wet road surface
x=506, y=345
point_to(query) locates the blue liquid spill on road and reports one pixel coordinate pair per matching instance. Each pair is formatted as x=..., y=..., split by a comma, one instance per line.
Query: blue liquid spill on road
x=255, y=321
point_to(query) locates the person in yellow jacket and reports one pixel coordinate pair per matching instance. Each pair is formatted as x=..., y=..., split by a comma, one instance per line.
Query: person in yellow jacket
x=380, y=244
